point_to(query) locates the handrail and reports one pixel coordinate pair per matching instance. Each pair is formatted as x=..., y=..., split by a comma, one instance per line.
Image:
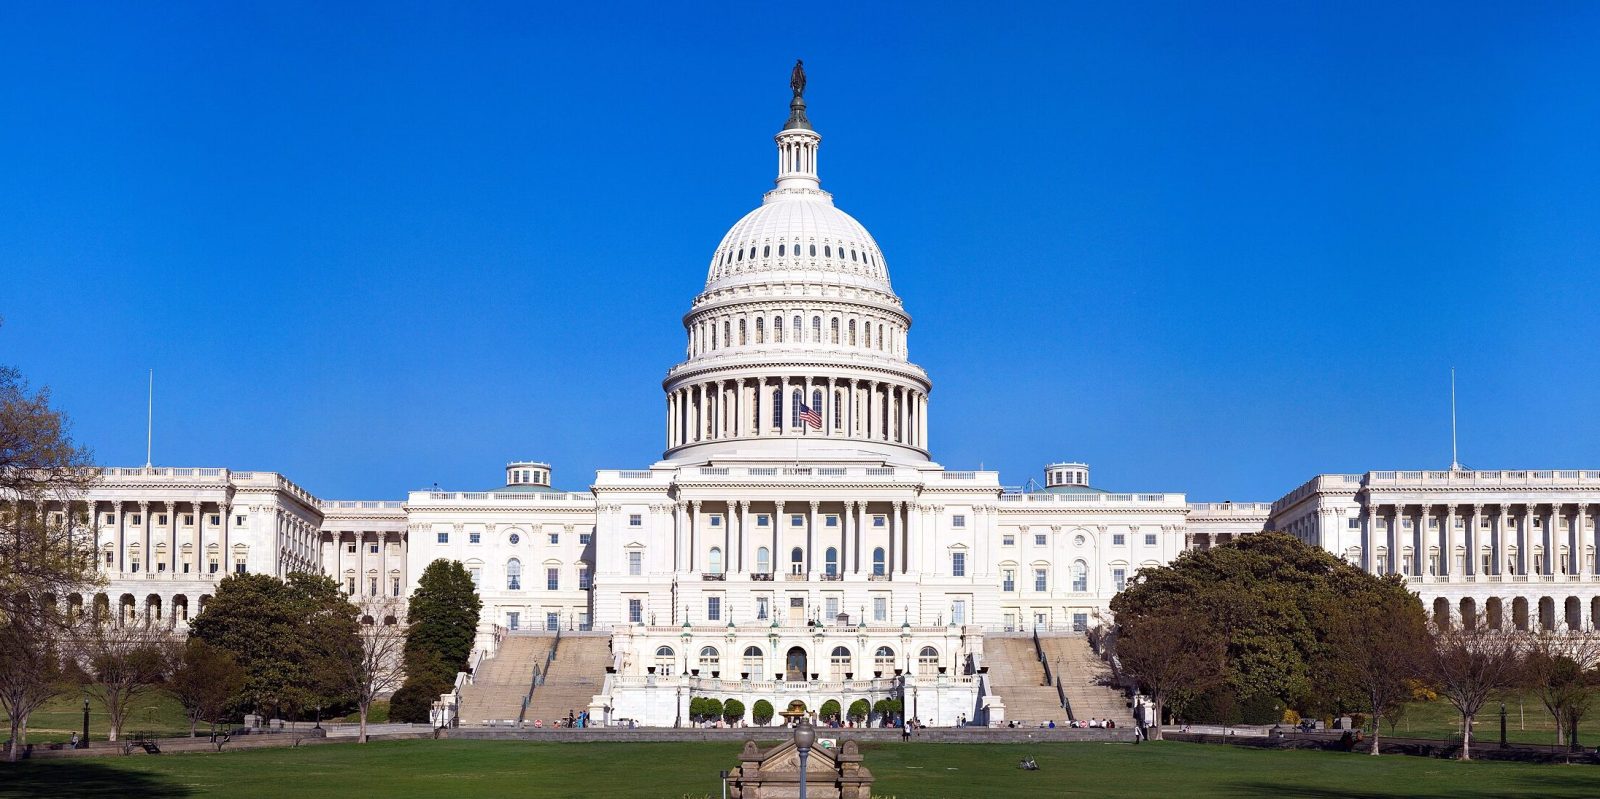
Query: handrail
x=538, y=677
x=1061, y=693
x=1038, y=652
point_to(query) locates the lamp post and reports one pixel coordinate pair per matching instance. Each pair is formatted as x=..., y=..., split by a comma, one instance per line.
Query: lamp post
x=84, y=742
x=1503, y=726
x=804, y=736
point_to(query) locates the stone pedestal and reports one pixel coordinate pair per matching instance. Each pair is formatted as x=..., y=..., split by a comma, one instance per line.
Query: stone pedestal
x=775, y=773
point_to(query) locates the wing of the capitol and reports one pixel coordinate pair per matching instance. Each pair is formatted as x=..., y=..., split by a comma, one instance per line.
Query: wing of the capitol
x=775, y=554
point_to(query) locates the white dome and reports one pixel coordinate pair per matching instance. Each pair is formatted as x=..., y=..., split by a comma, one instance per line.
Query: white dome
x=798, y=235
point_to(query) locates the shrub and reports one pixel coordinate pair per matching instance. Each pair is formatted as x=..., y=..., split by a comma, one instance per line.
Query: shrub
x=1290, y=717
x=830, y=710
x=733, y=711
x=761, y=712
x=859, y=710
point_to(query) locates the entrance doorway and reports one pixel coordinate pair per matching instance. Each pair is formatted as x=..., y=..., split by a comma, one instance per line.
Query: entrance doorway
x=794, y=667
x=797, y=611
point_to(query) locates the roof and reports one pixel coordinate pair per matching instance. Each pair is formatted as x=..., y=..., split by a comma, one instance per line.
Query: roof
x=526, y=488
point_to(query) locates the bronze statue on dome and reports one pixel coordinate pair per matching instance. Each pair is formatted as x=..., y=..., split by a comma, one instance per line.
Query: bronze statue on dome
x=797, y=78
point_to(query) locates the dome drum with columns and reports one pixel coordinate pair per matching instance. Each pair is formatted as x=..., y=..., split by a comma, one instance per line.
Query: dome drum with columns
x=797, y=316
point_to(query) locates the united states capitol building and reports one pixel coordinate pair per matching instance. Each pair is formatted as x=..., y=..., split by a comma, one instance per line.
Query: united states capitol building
x=797, y=539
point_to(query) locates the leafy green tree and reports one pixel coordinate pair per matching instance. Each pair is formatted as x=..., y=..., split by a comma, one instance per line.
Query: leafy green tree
x=859, y=710
x=204, y=680
x=733, y=711
x=441, y=625
x=1379, y=639
x=761, y=712
x=829, y=710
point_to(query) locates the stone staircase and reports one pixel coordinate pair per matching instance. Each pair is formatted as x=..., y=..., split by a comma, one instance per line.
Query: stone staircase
x=497, y=690
x=1082, y=674
x=1017, y=678
x=576, y=675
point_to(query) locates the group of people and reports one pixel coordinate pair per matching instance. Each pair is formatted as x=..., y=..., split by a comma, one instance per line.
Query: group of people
x=573, y=720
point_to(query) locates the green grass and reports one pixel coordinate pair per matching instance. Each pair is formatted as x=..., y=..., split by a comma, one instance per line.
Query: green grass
x=1528, y=722
x=155, y=711
x=378, y=714
x=674, y=770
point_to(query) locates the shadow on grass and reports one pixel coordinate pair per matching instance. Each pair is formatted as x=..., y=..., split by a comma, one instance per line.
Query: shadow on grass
x=86, y=778
x=1571, y=785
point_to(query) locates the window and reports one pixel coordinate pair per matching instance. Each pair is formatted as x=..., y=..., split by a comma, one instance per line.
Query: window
x=880, y=608
x=1008, y=579
x=350, y=548
x=513, y=620
x=762, y=609
x=761, y=520
x=797, y=561
x=839, y=659
x=715, y=560
x=958, y=564
x=635, y=520
x=583, y=577
x=1080, y=622
x=852, y=331
x=635, y=563
x=585, y=539
x=797, y=520
x=816, y=329
x=1041, y=580
x=1040, y=540
x=927, y=660
x=1118, y=539
x=713, y=608
x=1149, y=539
x=444, y=538
x=761, y=330
x=216, y=519
x=958, y=520
x=161, y=519
x=716, y=520
x=877, y=561
x=710, y=660
x=879, y=521
x=112, y=519
x=350, y=585
x=1119, y=578
x=372, y=549
x=636, y=611
x=830, y=521
x=1080, y=576
x=1353, y=524
x=514, y=575
x=238, y=568
x=832, y=608
x=477, y=538
x=664, y=661
x=1008, y=540
x=958, y=612
x=394, y=586
x=763, y=561
x=475, y=572
x=883, y=659
x=137, y=519
x=777, y=407
x=833, y=336
x=752, y=661
x=552, y=621
x=552, y=578
x=830, y=560
x=794, y=409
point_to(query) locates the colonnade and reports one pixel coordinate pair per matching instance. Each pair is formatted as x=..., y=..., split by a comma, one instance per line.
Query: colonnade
x=1532, y=612
x=739, y=539
x=1467, y=541
x=729, y=408
x=849, y=332
x=362, y=572
x=147, y=537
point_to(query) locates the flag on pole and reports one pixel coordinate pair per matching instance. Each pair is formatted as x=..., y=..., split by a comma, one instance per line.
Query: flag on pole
x=810, y=416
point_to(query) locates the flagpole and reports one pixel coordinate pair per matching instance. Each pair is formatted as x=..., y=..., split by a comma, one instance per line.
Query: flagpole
x=149, y=418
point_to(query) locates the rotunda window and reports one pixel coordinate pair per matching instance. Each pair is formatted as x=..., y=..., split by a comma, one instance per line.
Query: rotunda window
x=813, y=251
x=741, y=253
x=761, y=330
x=827, y=252
x=766, y=252
x=852, y=255
x=515, y=538
x=780, y=250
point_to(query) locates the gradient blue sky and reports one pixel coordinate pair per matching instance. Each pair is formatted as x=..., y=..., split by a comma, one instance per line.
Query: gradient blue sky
x=1213, y=248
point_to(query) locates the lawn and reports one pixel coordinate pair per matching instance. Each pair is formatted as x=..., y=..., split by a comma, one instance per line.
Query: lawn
x=676, y=770
x=155, y=711
x=1526, y=721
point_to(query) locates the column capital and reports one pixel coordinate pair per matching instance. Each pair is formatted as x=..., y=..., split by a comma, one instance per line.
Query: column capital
x=814, y=505
x=744, y=506
x=696, y=504
x=144, y=506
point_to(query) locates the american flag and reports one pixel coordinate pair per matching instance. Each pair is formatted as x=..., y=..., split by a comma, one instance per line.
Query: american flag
x=810, y=416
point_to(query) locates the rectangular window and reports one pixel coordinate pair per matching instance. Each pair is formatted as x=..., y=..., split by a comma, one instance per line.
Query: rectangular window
x=513, y=620
x=1080, y=622
x=477, y=577
x=585, y=539
x=474, y=538
x=444, y=538
x=394, y=587
x=958, y=564
x=1433, y=522
x=761, y=608
x=713, y=608
x=583, y=579
x=761, y=520
x=1039, y=540
x=112, y=519
x=552, y=621
x=1354, y=524
x=350, y=548
x=1008, y=580
x=880, y=608
x=635, y=611
x=372, y=549
x=958, y=612
x=1118, y=539
x=958, y=520
x=188, y=519
x=830, y=521
x=1149, y=539
x=796, y=520
x=716, y=520
x=552, y=579
x=137, y=519
x=1119, y=578
x=216, y=519
x=635, y=563
x=879, y=521
x=1040, y=580
x=238, y=568
x=238, y=521
x=555, y=538
x=833, y=609
x=1008, y=540
x=160, y=519
x=635, y=520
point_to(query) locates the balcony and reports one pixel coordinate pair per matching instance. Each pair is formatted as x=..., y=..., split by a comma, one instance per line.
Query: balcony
x=713, y=576
x=761, y=577
x=832, y=578
x=795, y=578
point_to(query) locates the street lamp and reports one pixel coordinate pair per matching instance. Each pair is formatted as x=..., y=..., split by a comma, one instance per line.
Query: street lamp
x=804, y=736
x=84, y=744
x=1503, y=726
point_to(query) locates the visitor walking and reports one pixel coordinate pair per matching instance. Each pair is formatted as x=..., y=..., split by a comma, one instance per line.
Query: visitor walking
x=905, y=730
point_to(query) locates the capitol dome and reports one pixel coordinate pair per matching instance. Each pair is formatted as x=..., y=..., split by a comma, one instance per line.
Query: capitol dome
x=798, y=344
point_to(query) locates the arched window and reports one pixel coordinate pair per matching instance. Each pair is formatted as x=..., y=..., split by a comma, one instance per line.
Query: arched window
x=1080, y=576
x=513, y=575
x=763, y=561
x=877, y=561
x=761, y=330
x=777, y=329
x=752, y=661
x=780, y=250
x=715, y=560
x=830, y=561
x=710, y=660
x=777, y=407
x=741, y=332
x=827, y=252
x=840, y=660
x=794, y=408
x=852, y=255
x=813, y=251
x=927, y=660
x=833, y=334
x=852, y=330
x=727, y=333
x=816, y=329
x=883, y=660
x=880, y=335
x=797, y=561
x=816, y=400
x=766, y=252
x=838, y=403
x=741, y=253
x=665, y=661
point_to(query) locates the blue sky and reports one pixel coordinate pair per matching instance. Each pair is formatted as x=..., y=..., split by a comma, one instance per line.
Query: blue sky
x=1207, y=248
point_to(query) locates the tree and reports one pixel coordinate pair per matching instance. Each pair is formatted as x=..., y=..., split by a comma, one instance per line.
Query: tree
x=441, y=625
x=886, y=709
x=829, y=710
x=1558, y=668
x=761, y=712
x=1467, y=662
x=1170, y=654
x=733, y=711
x=204, y=680
x=859, y=710
x=46, y=547
x=124, y=662
x=1380, y=643
x=368, y=663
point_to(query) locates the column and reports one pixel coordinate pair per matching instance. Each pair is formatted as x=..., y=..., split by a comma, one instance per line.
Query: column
x=1580, y=528
x=694, y=530
x=741, y=412
x=173, y=557
x=1497, y=541
x=1550, y=540
x=1369, y=547
x=780, y=563
x=361, y=564
x=867, y=427
x=903, y=510
x=1419, y=542
x=1393, y=567
x=1447, y=560
x=744, y=518
x=922, y=422
x=338, y=558
x=120, y=534
x=202, y=557
x=146, y=552
x=1522, y=540
x=893, y=528
x=679, y=557
x=811, y=541
x=1469, y=542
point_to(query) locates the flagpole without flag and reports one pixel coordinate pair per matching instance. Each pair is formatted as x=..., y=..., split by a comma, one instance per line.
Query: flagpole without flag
x=149, y=418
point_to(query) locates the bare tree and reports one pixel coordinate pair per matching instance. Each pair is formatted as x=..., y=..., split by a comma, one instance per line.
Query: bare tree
x=126, y=661
x=1170, y=655
x=1469, y=661
x=1379, y=648
x=205, y=679
x=369, y=664
x=1558, y=669
x=46, y=546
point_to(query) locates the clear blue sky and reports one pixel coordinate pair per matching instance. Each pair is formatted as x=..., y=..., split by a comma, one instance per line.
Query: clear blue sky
x=1207, y=248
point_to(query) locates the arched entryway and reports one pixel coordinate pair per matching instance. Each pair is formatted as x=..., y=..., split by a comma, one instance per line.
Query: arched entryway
x=1441, y=613
x=794, y=664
